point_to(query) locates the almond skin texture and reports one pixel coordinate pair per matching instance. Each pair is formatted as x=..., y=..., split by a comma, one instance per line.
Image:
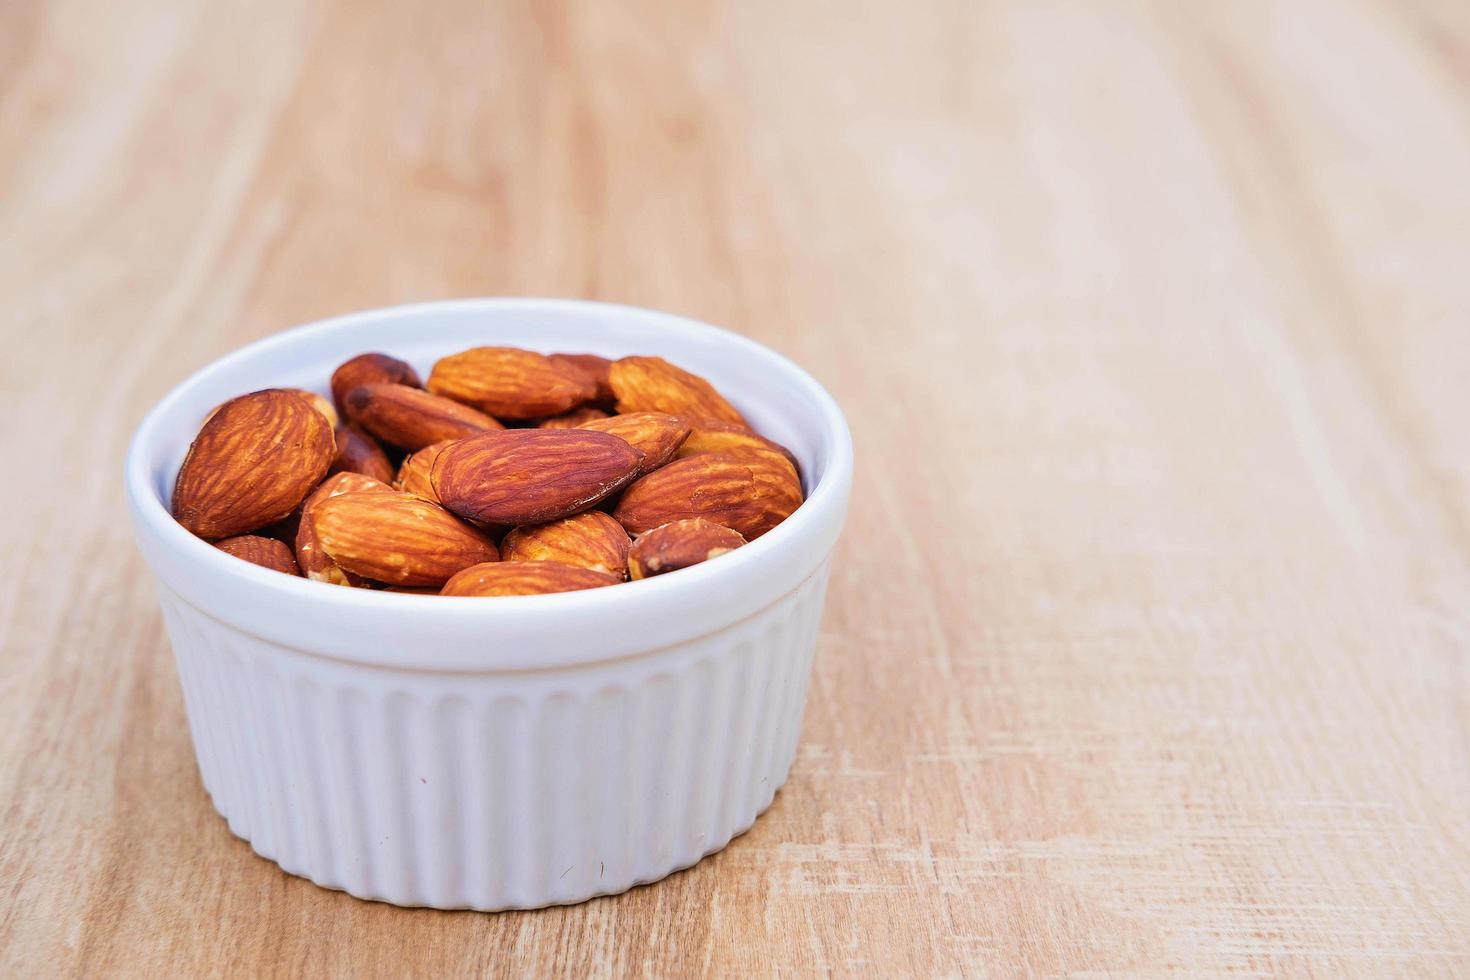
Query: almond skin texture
x=657, y=436
x=265, y=552
x=320, y=404
x=652, y=384
x=679, y=544
x=253, y=462
x=412, y=419
x=572, y=419
x=524, y=578
x=774, y=473
x=358, y=452
x=315, y=563
x=597, y=368
x=590, y=540
x=718, y=487
x=531, y=476
x=511, y=383
x=413, y=475
x=370, y=369
x=398, y=538
x=719, y=437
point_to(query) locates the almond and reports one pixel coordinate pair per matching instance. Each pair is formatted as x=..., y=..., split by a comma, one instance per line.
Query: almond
x=358, y=452
x=718, y=487
x=652, y=384
x=320, y=404
x=572, y=419
x=265, y=552
x=679, y=544
x=315, y=563
x=511, y=383
x=253, y=462
x=397, y=538
x=590, y=540
x=524, y=578
x=655, y=435
x=530, y=476
x=413, y=475
x=412, y=419
x=597, y=368
x=370, y=369
x=718, y=437
x=775, y=473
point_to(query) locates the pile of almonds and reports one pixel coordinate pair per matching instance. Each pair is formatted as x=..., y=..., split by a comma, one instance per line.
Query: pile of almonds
x=508, y=473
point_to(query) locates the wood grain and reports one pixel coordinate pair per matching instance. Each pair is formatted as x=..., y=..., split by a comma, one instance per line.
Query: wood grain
x=1146, y=650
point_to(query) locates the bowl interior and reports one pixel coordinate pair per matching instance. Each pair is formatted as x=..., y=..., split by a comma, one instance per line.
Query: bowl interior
x=779, y=400
x=520, y=633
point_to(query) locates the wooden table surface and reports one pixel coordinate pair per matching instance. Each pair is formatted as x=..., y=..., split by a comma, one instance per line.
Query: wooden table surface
x=1148, y=644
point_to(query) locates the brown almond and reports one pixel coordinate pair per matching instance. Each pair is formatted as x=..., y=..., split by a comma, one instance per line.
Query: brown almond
x=679, y=544
x=656, y=435
x=530, y=476
x=265, y=552
x=589, y=540
x=715, y=486
x=412, y=419
x=597, y=368
x=358, y=452
x=718, y=437
x=652, y=384
x=775, y=474
x=315, y=563
x=370, y=369
x=253, y=462
x=572, y=419
x=320, y=404
x=524, y=578
x=398, y=538
x=413, y=475
x=511, y=383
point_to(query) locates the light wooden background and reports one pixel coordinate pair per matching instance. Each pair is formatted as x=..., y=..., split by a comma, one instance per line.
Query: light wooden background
x=1148, y=646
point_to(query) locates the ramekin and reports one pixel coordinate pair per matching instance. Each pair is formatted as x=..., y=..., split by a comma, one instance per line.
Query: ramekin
x=495, y=753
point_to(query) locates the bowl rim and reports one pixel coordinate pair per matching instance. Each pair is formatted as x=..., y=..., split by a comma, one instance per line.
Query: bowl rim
x=818, y=519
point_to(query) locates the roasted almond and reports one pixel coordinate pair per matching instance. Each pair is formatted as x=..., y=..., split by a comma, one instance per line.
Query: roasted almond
x=412, y=419
x=572, y=419
x=715, y=486
x=320, y=404
x=398, y=538
x=511, y=383
x=315, y=563
x=679, y=544
x=370, y=369
x=265, y=552
x=718, y=437
x=530, y=476
x=595, y=367
x=652, y=384
x=590, y=540
x=413, y=474
x=656, y=435
x=524, y=578
x=253, y=462
x=775, y=474
x=358, y=452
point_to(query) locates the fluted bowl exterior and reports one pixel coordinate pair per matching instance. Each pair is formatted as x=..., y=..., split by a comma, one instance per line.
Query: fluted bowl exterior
x=507, y=752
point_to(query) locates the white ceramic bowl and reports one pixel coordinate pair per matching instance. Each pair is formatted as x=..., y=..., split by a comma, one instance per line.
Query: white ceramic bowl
x=496, y=753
